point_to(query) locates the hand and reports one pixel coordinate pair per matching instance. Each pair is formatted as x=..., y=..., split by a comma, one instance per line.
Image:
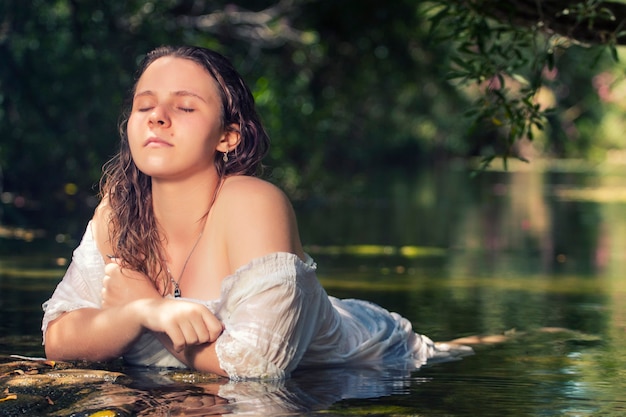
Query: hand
x=185, y=323
x=121, y=286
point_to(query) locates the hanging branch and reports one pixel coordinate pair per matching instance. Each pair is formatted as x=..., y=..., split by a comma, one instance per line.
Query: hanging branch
x=588, y=21
x=270, y=27
x=502, y=50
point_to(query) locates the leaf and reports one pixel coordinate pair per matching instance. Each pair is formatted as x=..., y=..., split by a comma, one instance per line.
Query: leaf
x=104, y=413
x=437, y=18
x=613, y=50
x=462, y=63
x=9, y=397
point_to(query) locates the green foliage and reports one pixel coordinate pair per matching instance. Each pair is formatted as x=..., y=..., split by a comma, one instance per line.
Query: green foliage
x=342, y=97
x=54, y=68
x=360, y=98
x=66, y=67
x=504, y=61
x=507, y=63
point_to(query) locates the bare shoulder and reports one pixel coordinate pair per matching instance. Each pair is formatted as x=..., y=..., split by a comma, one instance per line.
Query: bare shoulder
x=246, y=192
x=259, y=219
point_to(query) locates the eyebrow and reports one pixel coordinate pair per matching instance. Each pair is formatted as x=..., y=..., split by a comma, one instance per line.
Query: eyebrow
x=180, y=93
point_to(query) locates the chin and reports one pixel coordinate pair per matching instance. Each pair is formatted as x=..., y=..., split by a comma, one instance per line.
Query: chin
x=154, y=168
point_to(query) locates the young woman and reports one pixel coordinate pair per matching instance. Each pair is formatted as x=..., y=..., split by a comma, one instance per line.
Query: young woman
x=191, y=260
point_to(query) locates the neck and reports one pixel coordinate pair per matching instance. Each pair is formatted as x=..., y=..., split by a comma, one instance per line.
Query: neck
x=180, y=207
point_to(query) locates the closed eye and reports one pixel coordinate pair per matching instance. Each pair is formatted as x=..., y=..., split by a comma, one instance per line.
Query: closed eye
x=186, y=109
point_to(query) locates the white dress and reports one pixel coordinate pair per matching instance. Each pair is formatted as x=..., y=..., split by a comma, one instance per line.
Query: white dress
x=277, y=317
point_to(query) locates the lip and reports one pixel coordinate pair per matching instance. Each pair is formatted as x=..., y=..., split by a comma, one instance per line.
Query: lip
x=156, y=142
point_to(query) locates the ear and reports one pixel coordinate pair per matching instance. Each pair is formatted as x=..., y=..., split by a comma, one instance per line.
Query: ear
x=230, y=139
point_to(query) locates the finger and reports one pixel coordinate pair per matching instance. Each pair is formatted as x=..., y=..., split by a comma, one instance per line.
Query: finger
x=103, y=296
x=176, y=336
x=194, y=331
x=106, y=281
x=111, y=268
x=201, y=330
x=213, y=325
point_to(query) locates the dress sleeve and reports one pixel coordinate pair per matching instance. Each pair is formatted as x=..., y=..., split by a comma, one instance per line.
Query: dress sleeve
x=81, y=286
x=269, y=312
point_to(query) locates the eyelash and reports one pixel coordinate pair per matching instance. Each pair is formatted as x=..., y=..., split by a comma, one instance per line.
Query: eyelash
x=184, y=109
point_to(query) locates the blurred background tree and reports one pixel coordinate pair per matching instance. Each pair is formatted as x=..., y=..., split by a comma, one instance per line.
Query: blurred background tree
x=346, y=89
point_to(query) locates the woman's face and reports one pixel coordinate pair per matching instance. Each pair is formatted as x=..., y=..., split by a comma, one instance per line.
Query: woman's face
x=175, y=123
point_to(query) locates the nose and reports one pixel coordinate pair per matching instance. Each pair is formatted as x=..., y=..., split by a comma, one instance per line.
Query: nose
x=159, y=117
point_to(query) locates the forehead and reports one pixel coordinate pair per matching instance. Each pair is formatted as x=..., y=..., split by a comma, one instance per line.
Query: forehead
x=172, y=74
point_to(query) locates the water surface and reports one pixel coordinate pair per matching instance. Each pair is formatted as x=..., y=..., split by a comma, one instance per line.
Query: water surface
x=534, y=258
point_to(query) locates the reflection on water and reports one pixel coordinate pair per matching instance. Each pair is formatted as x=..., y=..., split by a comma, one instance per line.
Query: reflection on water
x=306, y=391
x=67, y=389
x=532, y=373
x=536, y=256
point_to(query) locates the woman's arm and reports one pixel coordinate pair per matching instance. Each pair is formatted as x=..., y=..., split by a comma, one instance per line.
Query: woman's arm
x=103, y=334
x=129, y=305
x=91, y=334
x=200, y=357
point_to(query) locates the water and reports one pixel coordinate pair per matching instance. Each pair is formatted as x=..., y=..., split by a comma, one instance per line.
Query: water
x=532, y=258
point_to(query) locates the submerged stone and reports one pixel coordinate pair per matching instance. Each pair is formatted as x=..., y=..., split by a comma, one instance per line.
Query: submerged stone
x=64, y=377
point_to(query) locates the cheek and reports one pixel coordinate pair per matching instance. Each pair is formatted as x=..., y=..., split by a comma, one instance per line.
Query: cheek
x=131, y=125
x=133, y=135
x=132, y=132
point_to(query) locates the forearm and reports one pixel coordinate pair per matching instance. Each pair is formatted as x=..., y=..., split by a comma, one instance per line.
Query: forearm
x=201, y=357
x=92, y=334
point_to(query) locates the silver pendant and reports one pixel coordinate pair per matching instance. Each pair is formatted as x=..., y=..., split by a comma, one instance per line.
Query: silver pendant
x=176, y=288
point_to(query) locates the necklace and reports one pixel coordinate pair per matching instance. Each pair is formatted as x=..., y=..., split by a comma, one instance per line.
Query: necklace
x=177, y=293
x=174, y=282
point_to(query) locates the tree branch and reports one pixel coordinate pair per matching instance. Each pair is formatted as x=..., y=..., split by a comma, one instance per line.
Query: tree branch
x=270, y=27
x=590, y=22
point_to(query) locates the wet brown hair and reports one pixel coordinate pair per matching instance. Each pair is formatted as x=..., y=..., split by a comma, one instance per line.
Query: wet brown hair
x=133, y=231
